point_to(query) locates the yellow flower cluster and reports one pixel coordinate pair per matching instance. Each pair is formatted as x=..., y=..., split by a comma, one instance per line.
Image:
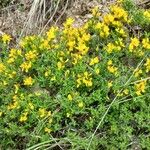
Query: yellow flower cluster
x=23, y=117
x=31, y=55
x=140, y=87
x=147, y=65
x=134, y=44
x=14, y=104
x=119, y=13
x=114, y=47
x=6, y=38
x=51, y=33
x=25, y=66
x=94, y=61
x=146, y=43
x=85, y=78
x=103, y=29
x=13, y=54
x=111, y=68
x=44, y=113
x=138, y=72
x=2, y=67
x=28, y=81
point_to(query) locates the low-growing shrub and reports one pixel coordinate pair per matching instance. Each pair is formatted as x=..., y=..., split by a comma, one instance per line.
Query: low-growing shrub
x=78, y=88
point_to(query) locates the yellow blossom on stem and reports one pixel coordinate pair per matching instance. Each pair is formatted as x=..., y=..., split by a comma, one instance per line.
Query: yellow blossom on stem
x=60, y=65
x=80, y=104
x=134, y=43
x=31, y=106
x=147, y=65
x=51, y=33
x=69, y=22
x=108, y=18
x=28, y=81
x=69, y=97
x=97, y=71
x=2, y=67
x=110, y=84
x=147, y=14
x=140, y=87
x=25, y=66
x=146, y=43
x=137, y=72
x=94, y=61
x=31, y=55
x=1, y=113
x=126, y=91
x=6, y=38
x=95, y=12
x=42, y=112
x=23, y=117
x=47, y=130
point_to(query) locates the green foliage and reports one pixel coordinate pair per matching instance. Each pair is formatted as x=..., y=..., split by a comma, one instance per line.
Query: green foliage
x=4, y=3
x=55, y=89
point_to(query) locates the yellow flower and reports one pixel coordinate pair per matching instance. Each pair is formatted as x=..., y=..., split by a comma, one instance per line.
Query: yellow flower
x=94, y=61
x=110, y=47
x=82, y=48
x=10, y=60
x=119, y=13
x=1, y=113
x=46, y=74
x=86, y=37
x=42, y=112
x=31, y=55
x=47, y=130
x=53, y=78
x=49, y=113
x=109, y=62
x=28, y=81
x=110, y=84
x=95, y=12
x=138, y=72
x=104, y=31
x=2, y=67
x=146, y=43
x=147, y=14
x=14, y=52
x=80, y=104
x=67, y=73
x=60, y=65
x=25, y=66
x=51, y=33
x=23, y=118
x=121, y=31
x=126, y=91
x=69, y=97
x=134, y=43
x=16, y=88
x=6, y=38
x=71, y=44
x=147, y=65
x=69, y=22
x=13, y=105
x=108, y=18
x=112, y=69
x=97, y=71
x=31, y=106
x=68, y=115
x=140, y=87
x=85, y=78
